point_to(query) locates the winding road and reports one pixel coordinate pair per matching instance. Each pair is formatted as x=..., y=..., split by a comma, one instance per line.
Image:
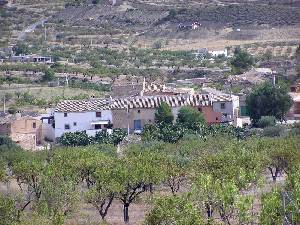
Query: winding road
x=30, y=29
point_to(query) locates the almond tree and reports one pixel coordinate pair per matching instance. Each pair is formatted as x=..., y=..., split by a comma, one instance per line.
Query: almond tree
x=134, y=175
x=176, y=210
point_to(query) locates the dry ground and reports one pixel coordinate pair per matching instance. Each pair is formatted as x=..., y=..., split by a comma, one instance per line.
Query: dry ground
x=87, y=215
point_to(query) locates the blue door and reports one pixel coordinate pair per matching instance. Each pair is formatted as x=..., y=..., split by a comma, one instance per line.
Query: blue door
x=137, y=124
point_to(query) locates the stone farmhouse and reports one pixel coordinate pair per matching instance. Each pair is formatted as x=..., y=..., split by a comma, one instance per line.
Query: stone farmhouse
x=25, y=131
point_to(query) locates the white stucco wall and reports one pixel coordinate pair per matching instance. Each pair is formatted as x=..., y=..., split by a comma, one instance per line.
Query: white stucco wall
x=231, y=108
x=83, y=121
x=219, y=52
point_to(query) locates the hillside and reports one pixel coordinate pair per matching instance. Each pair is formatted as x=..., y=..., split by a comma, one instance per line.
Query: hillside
x=140, y=23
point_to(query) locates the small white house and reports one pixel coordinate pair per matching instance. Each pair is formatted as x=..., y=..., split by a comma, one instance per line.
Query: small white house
x=226, y=104
x=91, y=116
x=219, y=53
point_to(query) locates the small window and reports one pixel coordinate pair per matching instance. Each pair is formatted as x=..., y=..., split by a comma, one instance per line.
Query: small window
x=139, y=111
x=222, y=105
x=97, y=126
x=75, y=124
x=34, y=125
x=98, y=114
x=67, y=127
x=199, y=109
x=217, y=118
x=65, y=114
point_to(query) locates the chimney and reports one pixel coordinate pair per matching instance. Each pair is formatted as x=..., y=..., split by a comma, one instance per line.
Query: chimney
x=18, y=115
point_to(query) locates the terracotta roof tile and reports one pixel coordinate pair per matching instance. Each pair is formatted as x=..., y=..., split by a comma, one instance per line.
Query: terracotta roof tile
x=131, y=102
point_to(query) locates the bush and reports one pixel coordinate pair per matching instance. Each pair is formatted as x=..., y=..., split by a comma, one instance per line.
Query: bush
x=79, y=138
x=115, y=138
x=294, y=129
x=266, y=121
x=49, y=75
x=273, y=131
x=21, y=48
x=8, y=211
x=12, y=110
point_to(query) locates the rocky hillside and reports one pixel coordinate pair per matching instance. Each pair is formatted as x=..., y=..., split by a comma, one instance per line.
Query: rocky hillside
x=142, y=22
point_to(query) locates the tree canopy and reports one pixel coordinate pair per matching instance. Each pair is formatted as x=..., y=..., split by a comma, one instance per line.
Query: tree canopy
x=268, y=100
x=190, y=117
x=164, y=114
x=241, y=60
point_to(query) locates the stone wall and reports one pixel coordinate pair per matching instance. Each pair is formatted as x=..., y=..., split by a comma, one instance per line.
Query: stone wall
x=121, y=118
x=25, y=133
x=26, y=141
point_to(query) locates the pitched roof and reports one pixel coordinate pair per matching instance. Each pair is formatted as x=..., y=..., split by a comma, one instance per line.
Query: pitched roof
x=83, y=105
x=131, y=102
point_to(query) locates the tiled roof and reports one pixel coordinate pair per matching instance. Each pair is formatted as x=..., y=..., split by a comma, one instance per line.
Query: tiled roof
x=220, y=98
x=83, y=105
x=132, y=102
x=155, y=88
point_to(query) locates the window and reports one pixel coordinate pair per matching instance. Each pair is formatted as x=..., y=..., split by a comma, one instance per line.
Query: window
x=65, y=114
x=34, y=125
x=75, y=124
x=137, y=124
x=217, y=118
x=67, y=127
x=97, y=126
x=199, y=109
x=98, y=114
x=223, y=105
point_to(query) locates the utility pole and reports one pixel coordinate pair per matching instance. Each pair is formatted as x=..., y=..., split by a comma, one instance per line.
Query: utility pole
x=45, y=32
x=4, y=108
x=128, y=128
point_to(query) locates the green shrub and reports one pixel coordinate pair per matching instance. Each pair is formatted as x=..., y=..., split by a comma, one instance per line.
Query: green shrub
x=49, y=75
x=273, y=131
x=266, y=121
x=8, y=211
x=79, y=138
x=12, y=110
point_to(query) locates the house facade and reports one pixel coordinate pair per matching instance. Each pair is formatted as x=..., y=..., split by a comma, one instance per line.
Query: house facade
x=134, y=113
x=294, y=112
x=131, y=113
x=91, y=116
x=225, y=104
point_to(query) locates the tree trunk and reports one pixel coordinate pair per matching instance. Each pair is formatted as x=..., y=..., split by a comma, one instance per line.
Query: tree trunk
x=125, y=211
x=104, y=209
x=274, y=174
x=209, y=210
